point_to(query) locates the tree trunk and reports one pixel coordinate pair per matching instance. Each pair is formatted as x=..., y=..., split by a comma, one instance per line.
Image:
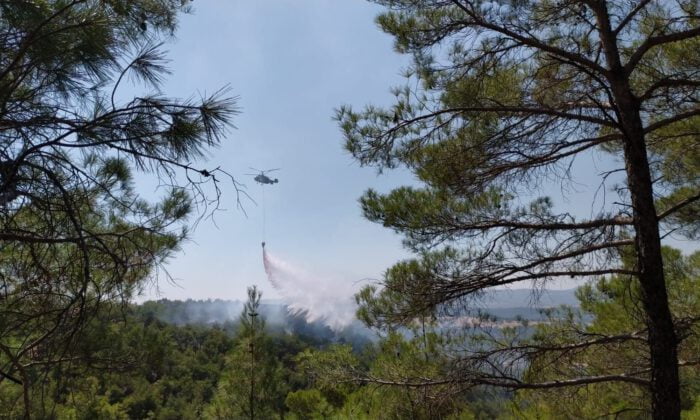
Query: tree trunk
x=663, y=342
x=662, y=337
x=26, y=389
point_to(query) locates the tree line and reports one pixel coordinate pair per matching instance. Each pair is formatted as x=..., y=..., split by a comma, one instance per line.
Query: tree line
x=132, y=365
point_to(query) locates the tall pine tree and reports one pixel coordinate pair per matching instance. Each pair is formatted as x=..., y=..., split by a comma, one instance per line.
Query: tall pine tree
x=502, y=98
x=73, y=230
x=250, y=387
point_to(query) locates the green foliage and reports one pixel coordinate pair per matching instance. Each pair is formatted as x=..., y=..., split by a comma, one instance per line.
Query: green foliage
x=610, y=308
x=129, y=366
x=251, y=386
x=308, y=404
x=75, y=233
x=397, y=378
x=500, y=100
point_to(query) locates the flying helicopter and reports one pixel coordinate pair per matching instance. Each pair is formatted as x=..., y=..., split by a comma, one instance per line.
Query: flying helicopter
x=262, y=177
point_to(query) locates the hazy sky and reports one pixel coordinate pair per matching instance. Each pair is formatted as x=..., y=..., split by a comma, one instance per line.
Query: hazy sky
x=291, y=62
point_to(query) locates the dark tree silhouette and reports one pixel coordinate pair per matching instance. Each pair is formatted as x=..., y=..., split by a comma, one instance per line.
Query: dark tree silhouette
x=502, y=98
x=73, y=229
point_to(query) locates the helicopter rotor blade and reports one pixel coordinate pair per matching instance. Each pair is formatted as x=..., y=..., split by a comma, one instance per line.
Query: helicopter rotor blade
x=271, y=170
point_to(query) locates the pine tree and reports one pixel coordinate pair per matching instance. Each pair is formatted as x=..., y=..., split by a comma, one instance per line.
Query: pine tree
x=250, y=387
x=502, y=97
x=74, y=232
x=609, y=307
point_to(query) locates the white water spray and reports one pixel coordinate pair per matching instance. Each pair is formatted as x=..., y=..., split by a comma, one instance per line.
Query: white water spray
x=324, y=298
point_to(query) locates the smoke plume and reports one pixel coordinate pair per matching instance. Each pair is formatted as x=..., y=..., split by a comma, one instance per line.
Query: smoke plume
x=317, y=297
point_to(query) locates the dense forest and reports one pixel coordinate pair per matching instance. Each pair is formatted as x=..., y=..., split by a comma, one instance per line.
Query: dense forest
x=162, y=360
x=500, y=101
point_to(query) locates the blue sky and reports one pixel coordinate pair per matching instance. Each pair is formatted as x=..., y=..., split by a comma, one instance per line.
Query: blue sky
x=291, y=62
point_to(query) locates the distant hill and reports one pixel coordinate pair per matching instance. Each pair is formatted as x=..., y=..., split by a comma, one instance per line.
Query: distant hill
x=528, y=298
x=226, y=313
x=503, y=304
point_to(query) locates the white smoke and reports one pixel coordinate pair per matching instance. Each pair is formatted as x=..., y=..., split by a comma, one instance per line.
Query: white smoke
x=317, y=297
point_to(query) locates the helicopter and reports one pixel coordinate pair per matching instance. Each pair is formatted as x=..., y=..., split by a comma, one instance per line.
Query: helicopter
x=262, y=177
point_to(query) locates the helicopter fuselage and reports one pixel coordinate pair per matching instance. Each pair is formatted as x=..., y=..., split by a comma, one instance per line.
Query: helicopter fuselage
x=264, y=179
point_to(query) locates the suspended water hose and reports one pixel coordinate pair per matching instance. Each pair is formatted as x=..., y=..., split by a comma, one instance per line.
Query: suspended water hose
x=264, y=215
x=262, y=179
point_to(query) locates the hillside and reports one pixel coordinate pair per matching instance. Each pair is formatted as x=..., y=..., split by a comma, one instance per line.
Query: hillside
x=503, y=304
